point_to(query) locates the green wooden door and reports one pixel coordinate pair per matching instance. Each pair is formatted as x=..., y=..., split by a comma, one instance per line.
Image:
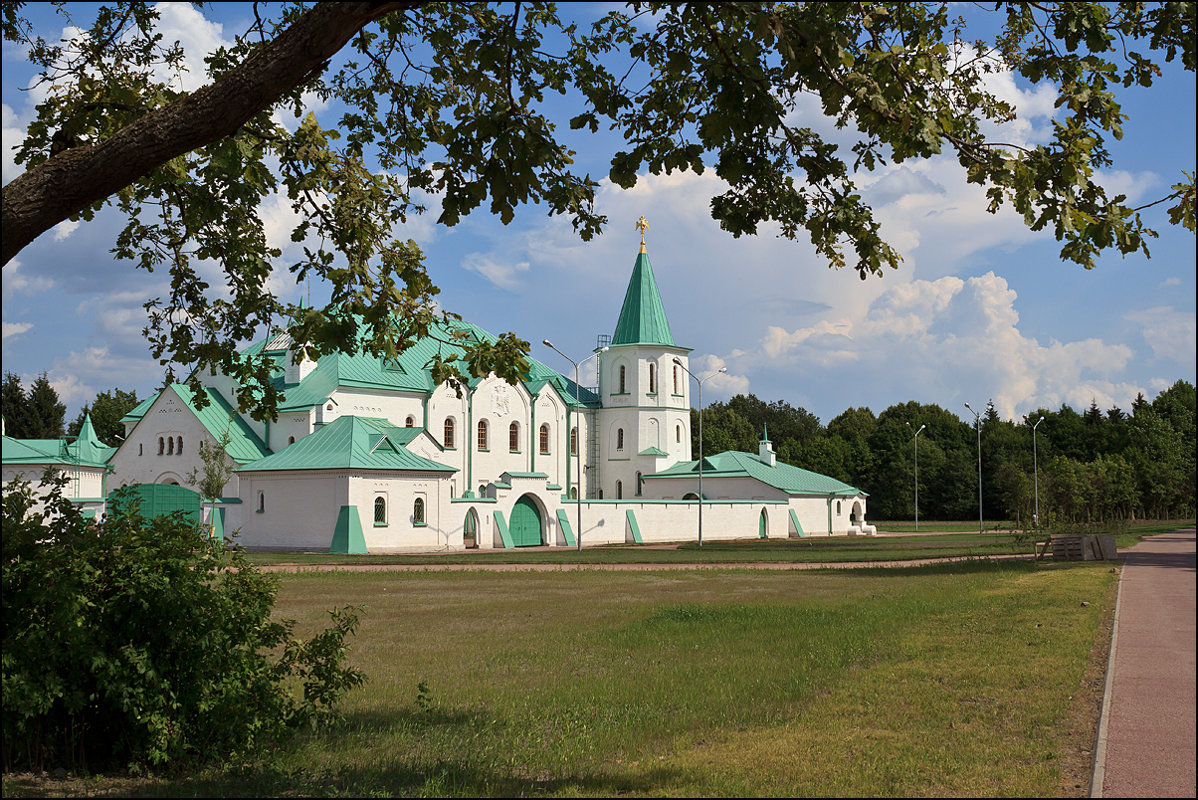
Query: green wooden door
x=525, y=525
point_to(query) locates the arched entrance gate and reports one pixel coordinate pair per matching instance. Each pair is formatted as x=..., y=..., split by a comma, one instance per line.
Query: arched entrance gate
x=526, y=524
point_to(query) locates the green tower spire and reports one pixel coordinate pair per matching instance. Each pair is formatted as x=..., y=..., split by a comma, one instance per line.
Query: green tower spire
x=642, y=317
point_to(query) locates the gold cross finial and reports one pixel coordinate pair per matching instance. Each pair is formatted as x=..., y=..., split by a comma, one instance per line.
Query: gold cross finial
x=642, y=225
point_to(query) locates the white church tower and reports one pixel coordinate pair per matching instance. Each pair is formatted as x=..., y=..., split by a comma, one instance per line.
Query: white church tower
x=644, y=425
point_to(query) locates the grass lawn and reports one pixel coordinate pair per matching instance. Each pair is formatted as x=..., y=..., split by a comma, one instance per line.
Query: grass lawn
x=974, y=678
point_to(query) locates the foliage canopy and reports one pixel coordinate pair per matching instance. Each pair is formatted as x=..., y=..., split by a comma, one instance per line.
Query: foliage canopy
x=462, y=103
x=145, y=643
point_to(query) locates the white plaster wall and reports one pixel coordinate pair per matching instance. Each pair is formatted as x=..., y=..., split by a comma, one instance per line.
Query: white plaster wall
x=500, y=404
x=84, y=482
x=301, y=508
x=394, y=406
x=400, y=533
x=289, y=424
x=137, y=460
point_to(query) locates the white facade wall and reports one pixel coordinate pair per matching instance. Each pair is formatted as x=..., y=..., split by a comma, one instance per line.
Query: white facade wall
x=650, y=409
x=291, y=425
x=299, y=509
x=138, y=460
x=395, y=407
x=399, y=532
x=86, y=485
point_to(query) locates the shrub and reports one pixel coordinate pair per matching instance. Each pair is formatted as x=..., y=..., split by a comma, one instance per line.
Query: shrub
x=145, y=642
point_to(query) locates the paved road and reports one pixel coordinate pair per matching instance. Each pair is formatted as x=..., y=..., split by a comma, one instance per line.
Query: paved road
x=1146, y=733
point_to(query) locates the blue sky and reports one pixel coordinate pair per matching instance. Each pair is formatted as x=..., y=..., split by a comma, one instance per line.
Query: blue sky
x=980, y=309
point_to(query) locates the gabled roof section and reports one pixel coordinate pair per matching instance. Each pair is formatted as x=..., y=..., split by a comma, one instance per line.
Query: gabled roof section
x=217, y=417
x=352, y=443
x=87, y=450
x=642, y=317
x=409, y=370
x=784, y=477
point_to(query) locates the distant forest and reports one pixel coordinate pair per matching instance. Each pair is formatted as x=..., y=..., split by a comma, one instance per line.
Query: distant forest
x=1094, y=465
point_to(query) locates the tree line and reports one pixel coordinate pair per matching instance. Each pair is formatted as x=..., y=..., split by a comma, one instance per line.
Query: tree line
x=38, y=413
x=1083, y=466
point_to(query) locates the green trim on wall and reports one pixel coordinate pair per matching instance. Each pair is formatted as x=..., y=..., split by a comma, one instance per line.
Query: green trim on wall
x=504, y=533
x=347, y=535
x=218, y=523
x=636, y=529
x=563, y=520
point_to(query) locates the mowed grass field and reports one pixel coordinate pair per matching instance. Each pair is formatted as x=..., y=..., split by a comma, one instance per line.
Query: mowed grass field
x=967, y=679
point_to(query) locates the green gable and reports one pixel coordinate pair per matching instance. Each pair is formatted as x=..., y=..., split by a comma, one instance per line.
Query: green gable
x=642, y=317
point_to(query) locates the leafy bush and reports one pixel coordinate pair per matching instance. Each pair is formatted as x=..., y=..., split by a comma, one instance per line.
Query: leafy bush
x=145, y=642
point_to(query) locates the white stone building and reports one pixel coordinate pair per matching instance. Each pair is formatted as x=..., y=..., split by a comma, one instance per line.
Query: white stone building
x=368, y=455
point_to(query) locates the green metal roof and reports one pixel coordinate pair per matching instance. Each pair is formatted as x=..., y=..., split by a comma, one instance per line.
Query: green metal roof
x=642, y=317
x=140, y=410
x=787, y=478
x=351, y=443
x=86, y=450
x=409, y=370
x=217, y=417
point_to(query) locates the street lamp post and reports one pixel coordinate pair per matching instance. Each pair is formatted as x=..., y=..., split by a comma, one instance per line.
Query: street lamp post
x=1036, y=469
x=578, y=441
x=978, y=421
x=916, y=439
x=700, y=382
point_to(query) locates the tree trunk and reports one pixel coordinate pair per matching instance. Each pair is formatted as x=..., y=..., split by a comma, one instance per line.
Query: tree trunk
x=75, y=179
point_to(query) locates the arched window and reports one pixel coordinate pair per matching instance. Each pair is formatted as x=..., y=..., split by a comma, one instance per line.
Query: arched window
x=544, y=440
x=139, y=448
x=574, y=440
x=410, y=423
x=449, y=432
x=623, y=375
x=418, y=511
x=482, y=434
x=619, y=490
x=170, y=445
x=179, y=447
x=329, y=407
x=161, y=445
x=573, y=492
x=482, y=490
x=640, y=483
x=380, y=511
x=290, y=440
x=838, y=508
x=619, y=438
x=652, y=378
x=261, y=502
x=513, y=437
x=676, y=379
x=678, y=434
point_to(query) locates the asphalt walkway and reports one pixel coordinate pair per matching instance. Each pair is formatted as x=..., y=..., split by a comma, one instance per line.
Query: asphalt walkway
x=1146, y=745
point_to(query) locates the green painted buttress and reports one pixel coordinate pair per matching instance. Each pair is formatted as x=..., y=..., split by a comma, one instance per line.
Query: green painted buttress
x=525, y=524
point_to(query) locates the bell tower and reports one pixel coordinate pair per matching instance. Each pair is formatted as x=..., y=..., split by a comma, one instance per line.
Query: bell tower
x=644, y=424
